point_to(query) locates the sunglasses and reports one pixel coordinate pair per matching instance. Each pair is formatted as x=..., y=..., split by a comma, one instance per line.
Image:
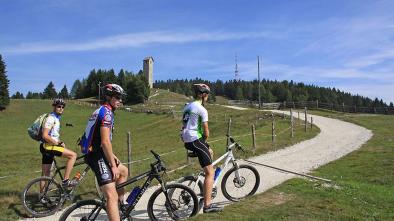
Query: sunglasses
x=60, y=106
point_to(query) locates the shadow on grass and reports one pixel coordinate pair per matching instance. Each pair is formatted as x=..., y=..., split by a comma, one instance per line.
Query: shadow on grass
x=12, y=201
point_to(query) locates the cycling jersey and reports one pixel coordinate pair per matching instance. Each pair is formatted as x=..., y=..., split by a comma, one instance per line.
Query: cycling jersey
x=194, y=114
x=53, y=124
x=91, y=139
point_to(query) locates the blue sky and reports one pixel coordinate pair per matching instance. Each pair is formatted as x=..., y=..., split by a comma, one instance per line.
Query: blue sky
x=348, y=45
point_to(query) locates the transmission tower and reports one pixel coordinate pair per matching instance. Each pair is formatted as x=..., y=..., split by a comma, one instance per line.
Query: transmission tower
x=236, y=74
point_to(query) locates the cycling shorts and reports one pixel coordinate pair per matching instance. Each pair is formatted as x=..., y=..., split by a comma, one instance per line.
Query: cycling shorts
x=49, y=152
x=201, y=149
x=100, y=166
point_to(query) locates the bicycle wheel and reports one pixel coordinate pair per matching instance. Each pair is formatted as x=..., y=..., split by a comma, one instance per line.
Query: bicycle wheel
x=240, y=183
x=85, y=210
x=42, y=197
x=191, y=181
x=182, y=203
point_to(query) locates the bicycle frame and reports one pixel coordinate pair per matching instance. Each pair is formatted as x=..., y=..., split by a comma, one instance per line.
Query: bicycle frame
x=229, y=157
x=151, y=176
x=59, y=169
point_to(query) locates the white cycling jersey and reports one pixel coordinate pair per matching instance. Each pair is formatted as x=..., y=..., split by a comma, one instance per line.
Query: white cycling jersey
x=53, y=124
x=194, y=114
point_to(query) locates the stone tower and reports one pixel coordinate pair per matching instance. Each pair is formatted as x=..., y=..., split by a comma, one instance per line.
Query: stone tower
x=148, y=70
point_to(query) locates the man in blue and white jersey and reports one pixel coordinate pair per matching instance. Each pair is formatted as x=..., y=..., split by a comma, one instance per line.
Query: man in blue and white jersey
x=195, y=133
x=96, y=143
x=52, y=146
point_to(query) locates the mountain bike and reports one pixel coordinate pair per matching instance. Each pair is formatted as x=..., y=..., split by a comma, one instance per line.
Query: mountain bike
x=170, y=202
x=43, y=196
x=238, y=182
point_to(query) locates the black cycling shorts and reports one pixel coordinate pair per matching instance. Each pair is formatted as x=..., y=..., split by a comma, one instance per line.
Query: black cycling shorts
x=201, y=148
x=100, y=166
x=49, y=152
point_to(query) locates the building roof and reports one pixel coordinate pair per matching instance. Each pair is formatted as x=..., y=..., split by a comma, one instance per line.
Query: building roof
x=147, y=58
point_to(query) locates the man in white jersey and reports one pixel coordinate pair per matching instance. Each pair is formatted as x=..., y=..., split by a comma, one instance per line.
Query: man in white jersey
x=195, y=133
x=51, y=145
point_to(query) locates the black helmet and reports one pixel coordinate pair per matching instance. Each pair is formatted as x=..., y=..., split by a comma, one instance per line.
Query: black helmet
x=113, y=89
x=58, y=101
x=201, y=88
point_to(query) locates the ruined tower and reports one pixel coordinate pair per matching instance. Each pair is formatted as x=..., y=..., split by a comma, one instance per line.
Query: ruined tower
x=148, y=70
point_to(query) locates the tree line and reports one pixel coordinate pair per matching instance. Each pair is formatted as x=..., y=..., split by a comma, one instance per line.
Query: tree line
x=272, y=91
x=137, y=89
x=135, y=85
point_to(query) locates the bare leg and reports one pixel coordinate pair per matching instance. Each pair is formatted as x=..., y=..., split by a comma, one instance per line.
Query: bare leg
x=111, y=195
x=46, y=170
x=208, y=185
x=122, y=178
x=72, y=156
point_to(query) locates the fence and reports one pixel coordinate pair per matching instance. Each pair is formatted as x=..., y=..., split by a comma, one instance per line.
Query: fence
x=313, y=105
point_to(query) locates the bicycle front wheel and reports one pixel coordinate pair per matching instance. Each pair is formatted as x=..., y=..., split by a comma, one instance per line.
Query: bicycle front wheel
x=42, y=197
x=240, y=183
x=85, y=210
x=178, y=202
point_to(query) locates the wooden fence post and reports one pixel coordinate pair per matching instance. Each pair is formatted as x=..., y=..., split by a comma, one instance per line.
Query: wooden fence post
x=306, y=119
x=129, y=153
x=273, y=130
x=317, y=104
x=254, y=139
x=299, y=119
x=291, y=123
x=228, y=130
x=311, y=123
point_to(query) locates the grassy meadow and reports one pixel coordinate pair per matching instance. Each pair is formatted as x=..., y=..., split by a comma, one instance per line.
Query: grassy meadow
x=21, y=159
x=363, y=190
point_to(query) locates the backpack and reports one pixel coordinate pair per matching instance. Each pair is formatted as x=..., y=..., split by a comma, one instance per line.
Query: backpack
x=35, y=130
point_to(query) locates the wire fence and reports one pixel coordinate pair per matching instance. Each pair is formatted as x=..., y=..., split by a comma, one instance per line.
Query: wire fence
x=177, y=151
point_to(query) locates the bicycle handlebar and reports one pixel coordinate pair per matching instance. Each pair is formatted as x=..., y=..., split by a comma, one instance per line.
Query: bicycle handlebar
x=238, y=146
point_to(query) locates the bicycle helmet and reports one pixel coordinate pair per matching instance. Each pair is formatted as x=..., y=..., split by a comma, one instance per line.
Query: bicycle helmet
x=113, y=89
x=202, y=88
x=58, y=101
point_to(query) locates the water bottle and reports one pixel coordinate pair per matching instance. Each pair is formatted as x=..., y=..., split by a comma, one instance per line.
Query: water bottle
x=134, y=193
x=77, y=176
x=217, y=172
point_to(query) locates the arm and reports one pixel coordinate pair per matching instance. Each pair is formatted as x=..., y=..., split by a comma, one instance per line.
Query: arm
x=48, y=139
x=107, y=145
x=47, y=127
x=206, y=130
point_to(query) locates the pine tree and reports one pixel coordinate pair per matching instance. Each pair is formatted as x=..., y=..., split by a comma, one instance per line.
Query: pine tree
x=18, y=95
x=64, y=93
x=4, y=83
x=49, y=91
x=76, y=89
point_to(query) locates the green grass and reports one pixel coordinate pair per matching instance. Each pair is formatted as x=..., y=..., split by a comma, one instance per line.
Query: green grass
x=364, y=184
x=21, y=158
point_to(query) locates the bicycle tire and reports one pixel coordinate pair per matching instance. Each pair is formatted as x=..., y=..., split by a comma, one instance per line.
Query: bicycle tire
x=39, y=204
x=77, y=212
x=190, y=181
x=182, y=197
x=226, y=188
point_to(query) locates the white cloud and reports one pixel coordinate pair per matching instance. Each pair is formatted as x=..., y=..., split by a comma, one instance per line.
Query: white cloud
x=133, y=40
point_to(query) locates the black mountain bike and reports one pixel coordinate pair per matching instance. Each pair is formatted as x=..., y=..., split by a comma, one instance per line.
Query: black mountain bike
x=169, y=202
x=43, y=196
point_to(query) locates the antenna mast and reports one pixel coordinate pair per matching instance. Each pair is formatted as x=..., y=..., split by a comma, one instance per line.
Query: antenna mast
x=236, y=77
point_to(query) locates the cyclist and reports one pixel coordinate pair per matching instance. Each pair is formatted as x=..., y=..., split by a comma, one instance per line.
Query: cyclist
x=195, y=133
x=96, y=143
x=52, y=146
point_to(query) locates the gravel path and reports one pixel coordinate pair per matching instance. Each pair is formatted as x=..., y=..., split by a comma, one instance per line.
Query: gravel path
x=336, y=139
